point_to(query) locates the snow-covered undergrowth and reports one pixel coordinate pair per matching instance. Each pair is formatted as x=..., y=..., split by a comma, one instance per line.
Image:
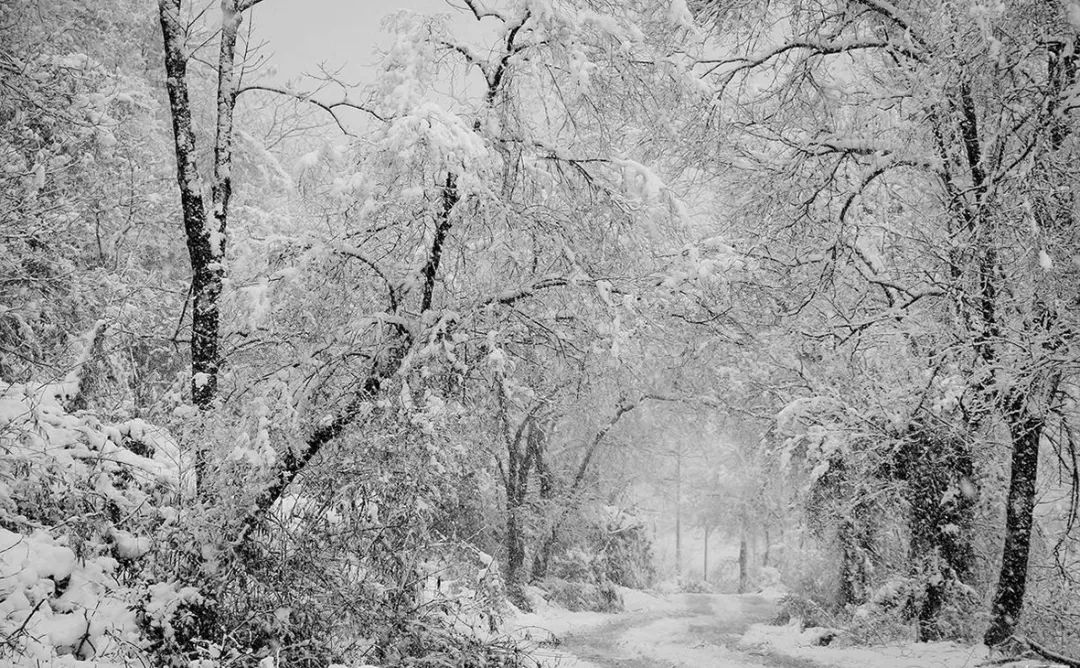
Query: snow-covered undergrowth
x=794, y=642
x=105, y=559
x=79, y=499
x=544, y=629
x=549, y=621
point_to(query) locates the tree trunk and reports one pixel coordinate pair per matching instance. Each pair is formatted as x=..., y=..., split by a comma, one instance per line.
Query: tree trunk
x=1026, y=432
x=855, y=541
x=543, y=555
x=518, y=463
x=517, y=477
x=206, y=269
x=938, y=473
x=221, y=192
x=705, y=557
x=546, y=477
x=678, y=512
x=515, y=556
x=542, y=558
x=743, y=558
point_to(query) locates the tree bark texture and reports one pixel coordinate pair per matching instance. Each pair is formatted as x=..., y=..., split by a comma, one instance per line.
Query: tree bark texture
x=519, y=462
x=206, y=266
x=1026, y=432
x=938, y=475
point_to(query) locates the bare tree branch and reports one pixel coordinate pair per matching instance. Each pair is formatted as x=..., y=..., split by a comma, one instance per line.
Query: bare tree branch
x=329, y=107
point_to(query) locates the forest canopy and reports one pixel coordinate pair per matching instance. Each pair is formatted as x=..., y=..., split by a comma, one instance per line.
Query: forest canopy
x=311, y=371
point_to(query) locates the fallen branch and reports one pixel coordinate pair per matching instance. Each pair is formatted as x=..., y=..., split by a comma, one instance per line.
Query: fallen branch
x=1047, y=653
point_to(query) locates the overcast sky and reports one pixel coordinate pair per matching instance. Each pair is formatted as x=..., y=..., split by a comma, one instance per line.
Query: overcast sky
x=301, y=34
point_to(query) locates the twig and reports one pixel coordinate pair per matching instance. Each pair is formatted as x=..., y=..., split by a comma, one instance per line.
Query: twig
x=1047, y=653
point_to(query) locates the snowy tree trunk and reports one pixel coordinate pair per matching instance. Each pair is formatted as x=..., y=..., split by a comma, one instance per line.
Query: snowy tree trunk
x=518, y=464
x=1026, y=432
x=743, y=558
x=226, y=106
x=205, y=264
x=546, y=477
x=515, y=555
x=1054, y=209
x=855, y=544
x=938, y=473
x=205, y=238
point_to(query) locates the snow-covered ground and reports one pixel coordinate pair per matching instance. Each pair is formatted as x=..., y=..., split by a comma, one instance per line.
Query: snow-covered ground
x=674, y=630
x=792, y=642
x=714, y=631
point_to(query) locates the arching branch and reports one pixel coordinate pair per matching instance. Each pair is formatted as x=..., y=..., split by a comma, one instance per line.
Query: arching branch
x=330, y=108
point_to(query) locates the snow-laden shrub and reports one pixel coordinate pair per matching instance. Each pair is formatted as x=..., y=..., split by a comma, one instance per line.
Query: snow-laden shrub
x=891, y=614
x=628, y=560
x=697, y=586
x=578, y=596
x=347, y=565
x=804, y=611
x=80, y=500
x=610, y=546
x=575, y=565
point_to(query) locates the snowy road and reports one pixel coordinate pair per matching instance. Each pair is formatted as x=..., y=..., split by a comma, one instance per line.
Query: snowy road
x=691, y=630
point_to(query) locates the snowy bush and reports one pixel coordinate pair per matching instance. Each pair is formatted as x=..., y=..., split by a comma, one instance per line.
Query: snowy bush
x=583, y=596
x=79, y=503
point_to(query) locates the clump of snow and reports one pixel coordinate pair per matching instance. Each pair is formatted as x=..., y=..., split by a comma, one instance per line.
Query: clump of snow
x=792, y=418
x=679, y=14
x=1045, y=261
x=83, y=621
x=164, y=599
x=130, y=546
x=61, y=597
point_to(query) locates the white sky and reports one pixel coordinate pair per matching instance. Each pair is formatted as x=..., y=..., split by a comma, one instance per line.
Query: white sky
x=301, y=34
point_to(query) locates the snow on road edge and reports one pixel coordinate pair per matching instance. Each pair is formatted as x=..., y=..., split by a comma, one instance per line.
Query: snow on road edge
x=792, y=642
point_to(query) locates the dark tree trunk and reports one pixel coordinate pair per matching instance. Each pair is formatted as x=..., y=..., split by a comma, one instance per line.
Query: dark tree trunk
x=206, y=268
x=521, y=448
x=938, y=472
x=1053, y=209
x=386, y=364
x=517, y=481
x=856, y=542
x=543, y=555
x=515, y=556
x=1026, y=432
x=443, y=223
x=546, y=477
x=744, y=579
